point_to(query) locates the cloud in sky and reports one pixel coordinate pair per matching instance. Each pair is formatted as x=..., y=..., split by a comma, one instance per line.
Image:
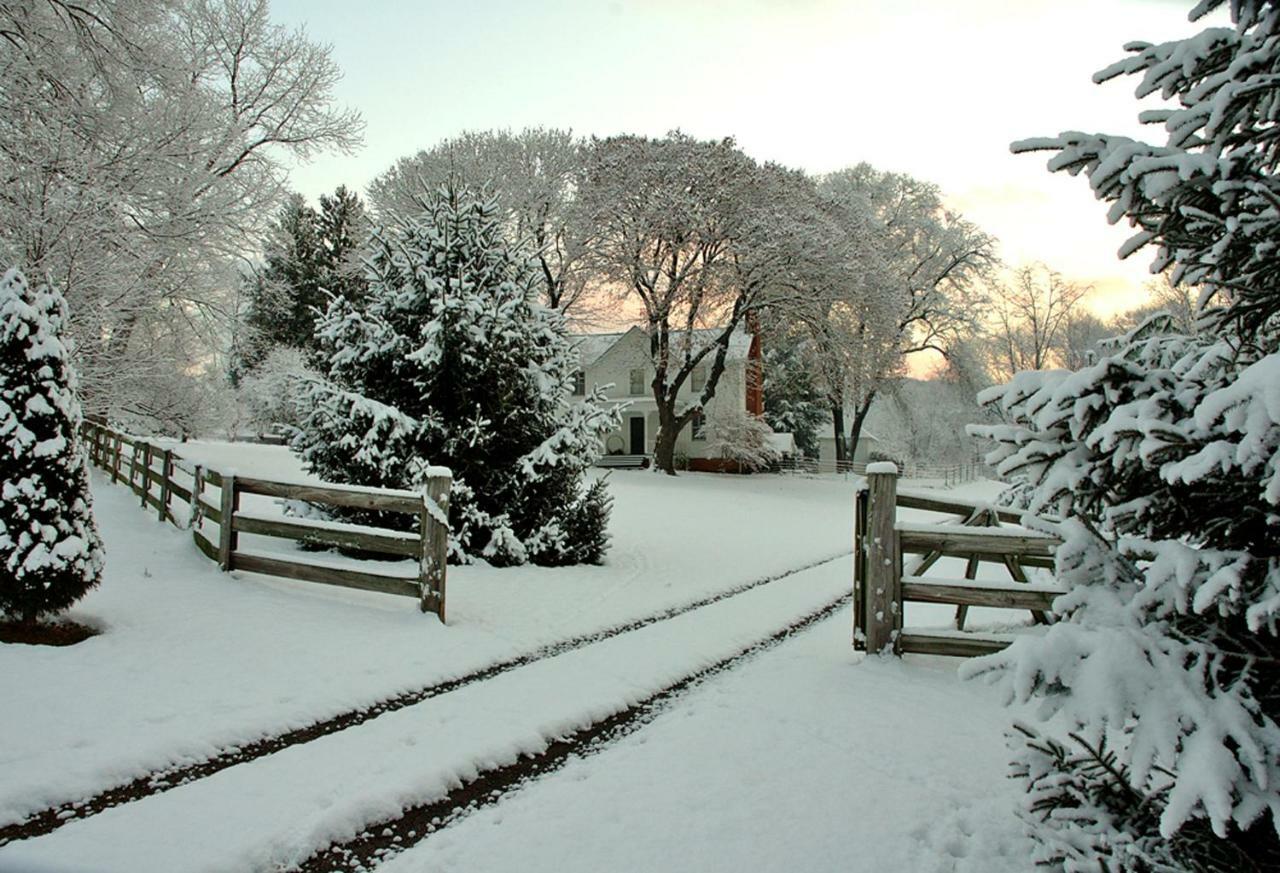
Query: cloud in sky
x=933, y=88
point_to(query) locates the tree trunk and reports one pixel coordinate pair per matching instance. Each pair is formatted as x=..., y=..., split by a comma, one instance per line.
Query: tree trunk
x=859, y=416
x=664, y=449
x=837, y=423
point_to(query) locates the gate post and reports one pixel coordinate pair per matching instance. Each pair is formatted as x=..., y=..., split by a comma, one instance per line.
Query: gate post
x=882, y=560
x=433, y=531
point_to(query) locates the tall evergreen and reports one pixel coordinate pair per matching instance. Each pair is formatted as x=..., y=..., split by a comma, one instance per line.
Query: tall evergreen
x=1164, y=459
x=310, y=255
x=450, y=361
x=341, y=229
x=792, y=403
x=50, y=553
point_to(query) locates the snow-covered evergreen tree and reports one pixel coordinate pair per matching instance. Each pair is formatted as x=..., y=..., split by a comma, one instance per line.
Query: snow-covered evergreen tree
x=1162, y=458
x=792, y=402
x=311, y=255
x=50, y=553
x=451, y=361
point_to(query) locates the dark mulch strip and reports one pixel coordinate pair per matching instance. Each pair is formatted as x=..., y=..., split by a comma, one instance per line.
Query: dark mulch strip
x=383, y=839
x=50, y=819
x=61, y=633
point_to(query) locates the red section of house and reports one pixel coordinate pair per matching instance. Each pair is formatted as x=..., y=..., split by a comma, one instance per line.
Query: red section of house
x=755, y=377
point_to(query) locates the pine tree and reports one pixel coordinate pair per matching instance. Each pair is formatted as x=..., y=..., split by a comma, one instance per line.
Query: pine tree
x=310, y=256
x=792, y=403
x=1163, y=459
x=451, y=361
x=340, y=226
x=50, y=553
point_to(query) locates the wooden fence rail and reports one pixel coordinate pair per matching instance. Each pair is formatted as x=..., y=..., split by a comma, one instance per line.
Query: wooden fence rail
x=163, y=479
x=883, y=583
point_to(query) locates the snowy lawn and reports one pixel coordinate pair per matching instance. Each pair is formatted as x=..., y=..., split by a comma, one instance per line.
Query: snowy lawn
x=193, y=660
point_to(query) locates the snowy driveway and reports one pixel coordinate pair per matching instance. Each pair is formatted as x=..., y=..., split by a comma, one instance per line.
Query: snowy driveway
x=804, y=759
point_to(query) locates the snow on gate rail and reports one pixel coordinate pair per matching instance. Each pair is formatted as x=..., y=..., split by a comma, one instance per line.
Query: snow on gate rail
x=159, y=487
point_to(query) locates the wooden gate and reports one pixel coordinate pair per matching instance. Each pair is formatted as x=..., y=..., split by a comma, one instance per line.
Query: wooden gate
x=884, y=582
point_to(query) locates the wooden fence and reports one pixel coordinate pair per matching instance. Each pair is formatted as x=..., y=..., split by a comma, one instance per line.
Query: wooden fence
x=947, y=474
x=162, y=479
x=883, y=584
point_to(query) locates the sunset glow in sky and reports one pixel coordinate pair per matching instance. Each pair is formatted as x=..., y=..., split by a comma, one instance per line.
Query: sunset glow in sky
x=934, y=88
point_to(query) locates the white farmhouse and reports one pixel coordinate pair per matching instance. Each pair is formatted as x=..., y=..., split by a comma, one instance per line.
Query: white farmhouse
x=622, y=362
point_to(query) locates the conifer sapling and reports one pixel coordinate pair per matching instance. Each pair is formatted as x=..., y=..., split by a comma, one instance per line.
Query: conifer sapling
x=50, y=553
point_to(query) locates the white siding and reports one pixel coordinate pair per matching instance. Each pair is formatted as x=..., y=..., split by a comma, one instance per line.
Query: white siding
x=632, y=351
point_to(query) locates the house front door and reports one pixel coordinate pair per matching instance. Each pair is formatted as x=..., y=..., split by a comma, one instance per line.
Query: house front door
x=637, y=435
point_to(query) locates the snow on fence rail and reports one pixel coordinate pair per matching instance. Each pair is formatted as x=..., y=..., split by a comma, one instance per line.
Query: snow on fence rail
x=159, y=476
x=882, y=584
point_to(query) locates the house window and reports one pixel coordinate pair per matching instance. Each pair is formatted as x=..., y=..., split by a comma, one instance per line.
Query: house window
x=579, y=383
x=698, y=380
x=637, y=381
x=699, y=425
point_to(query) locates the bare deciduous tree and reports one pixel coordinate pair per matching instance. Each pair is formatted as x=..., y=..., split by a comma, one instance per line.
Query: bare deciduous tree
x=533, y=175
x=142, y=146
x=920, y=290
x=701, y=238
x=1033, y=311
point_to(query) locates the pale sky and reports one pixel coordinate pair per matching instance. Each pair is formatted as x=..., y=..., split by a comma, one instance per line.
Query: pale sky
x=933, y=88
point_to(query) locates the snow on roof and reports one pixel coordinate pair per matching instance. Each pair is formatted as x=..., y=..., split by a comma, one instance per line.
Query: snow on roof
x=592, y=346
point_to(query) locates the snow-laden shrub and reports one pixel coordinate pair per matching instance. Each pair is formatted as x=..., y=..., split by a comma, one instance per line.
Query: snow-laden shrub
x=743, y=438
x=1162, y=457
x=50, y=553
x=270, y=394
x=450, y=360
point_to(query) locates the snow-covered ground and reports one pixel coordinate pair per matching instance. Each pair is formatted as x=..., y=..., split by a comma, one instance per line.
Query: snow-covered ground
x=806, y=759
x=193, y=660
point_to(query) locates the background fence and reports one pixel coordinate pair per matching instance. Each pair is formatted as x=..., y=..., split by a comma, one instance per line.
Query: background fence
x=162, y=479
x=947, y=474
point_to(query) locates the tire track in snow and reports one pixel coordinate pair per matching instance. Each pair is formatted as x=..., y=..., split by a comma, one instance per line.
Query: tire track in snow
x=381, y=840
x=51, y=818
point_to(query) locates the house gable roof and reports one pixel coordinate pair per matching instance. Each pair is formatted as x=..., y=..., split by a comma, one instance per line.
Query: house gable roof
x=594, y=346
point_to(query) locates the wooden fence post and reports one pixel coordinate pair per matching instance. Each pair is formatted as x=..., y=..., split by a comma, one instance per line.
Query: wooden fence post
x=226, y=535
x=859, y=568
x=146, y=472
x=133, y=467
x=166, y=470
x=197, y=488
x=882, y=585
x=117, y=459
x=433, y=528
